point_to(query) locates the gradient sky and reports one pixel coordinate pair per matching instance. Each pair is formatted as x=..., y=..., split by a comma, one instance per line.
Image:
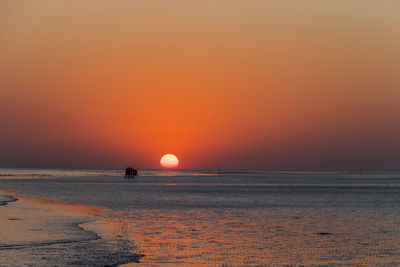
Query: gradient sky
x=266, y=85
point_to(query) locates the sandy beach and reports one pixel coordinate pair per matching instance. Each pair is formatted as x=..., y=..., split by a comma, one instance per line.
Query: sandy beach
x=37, y=231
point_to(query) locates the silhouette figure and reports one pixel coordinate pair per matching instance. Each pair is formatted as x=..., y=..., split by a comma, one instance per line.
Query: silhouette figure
x=130, y=172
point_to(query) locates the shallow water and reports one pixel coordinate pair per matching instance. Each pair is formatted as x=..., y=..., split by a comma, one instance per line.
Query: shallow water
x=239, y=218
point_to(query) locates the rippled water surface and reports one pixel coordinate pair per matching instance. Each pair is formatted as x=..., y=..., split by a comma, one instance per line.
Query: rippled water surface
x=236, y=218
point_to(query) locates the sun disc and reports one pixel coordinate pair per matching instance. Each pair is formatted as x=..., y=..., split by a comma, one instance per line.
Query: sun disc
x=169, y=161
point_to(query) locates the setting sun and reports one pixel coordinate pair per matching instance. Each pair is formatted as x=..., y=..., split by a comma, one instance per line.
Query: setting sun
x=169, y=161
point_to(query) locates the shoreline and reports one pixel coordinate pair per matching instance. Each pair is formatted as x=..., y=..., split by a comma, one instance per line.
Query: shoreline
x=7, y=196
x=5, y=199
x=43, y=231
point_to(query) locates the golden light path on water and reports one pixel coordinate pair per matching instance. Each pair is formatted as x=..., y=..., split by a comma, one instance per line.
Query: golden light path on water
x=255, y=238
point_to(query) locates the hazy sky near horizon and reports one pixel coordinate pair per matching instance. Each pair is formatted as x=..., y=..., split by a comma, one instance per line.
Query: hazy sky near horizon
x=273, y=85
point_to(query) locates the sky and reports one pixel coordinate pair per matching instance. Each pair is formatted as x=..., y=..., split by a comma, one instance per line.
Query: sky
x=237, y=85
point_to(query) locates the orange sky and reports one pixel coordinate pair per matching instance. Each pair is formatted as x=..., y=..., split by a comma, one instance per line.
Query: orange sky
x=274, y=85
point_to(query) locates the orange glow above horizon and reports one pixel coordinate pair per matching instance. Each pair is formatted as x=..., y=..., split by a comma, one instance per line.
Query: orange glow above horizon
x=169, y=161
x=246, y=85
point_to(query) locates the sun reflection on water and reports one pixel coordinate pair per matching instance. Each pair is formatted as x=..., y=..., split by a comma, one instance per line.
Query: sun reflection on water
x=233, y=237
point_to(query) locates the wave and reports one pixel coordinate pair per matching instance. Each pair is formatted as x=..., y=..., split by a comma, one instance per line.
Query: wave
x=89, y=250
x=4, y=199
x=74, y=245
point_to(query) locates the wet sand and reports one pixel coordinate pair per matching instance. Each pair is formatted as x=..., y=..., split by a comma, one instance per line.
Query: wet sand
x=37, y=231
x=284, y=237
x=5, y=199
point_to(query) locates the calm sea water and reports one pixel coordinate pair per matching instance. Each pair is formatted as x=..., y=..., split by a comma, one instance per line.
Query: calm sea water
x=236, y=218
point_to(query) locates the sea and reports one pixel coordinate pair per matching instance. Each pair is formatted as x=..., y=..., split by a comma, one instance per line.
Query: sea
x=210, y=218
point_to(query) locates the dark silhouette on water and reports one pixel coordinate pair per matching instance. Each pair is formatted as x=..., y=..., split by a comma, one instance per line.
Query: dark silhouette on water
x=324, y=233
x=130, y=172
